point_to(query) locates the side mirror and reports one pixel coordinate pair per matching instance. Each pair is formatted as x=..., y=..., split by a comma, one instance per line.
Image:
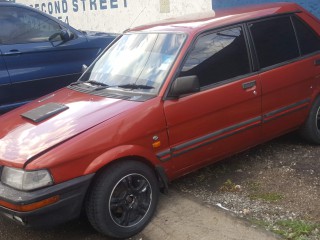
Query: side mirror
x=84, y=68
x=64, y=36
x=184, y=85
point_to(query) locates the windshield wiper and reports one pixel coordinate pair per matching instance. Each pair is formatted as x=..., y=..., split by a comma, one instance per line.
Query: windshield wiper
x=93, y=82
x=100, y=85
x=75, y=83
x=135, y=86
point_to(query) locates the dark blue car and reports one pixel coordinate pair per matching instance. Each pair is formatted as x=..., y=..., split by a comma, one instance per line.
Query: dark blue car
x=39, y=54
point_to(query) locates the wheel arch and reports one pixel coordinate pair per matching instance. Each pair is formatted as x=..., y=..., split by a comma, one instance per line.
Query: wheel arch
x=126, y=153
x=315, y=95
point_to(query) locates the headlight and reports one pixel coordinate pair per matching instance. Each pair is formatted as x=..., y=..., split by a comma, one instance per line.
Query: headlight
x=25, y=180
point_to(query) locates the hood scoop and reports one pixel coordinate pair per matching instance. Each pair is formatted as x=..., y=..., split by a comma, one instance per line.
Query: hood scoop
x=44, y=112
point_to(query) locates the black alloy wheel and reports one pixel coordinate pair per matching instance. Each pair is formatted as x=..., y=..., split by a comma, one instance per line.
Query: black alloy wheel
x=122, y=199
x=130, y=200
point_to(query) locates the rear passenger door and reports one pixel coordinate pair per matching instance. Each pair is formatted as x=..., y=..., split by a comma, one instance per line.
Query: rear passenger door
x=225, y=116
x=286, y=77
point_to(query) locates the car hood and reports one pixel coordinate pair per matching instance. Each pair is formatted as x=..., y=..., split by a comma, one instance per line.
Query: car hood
x=22, y=139
x=99, y=34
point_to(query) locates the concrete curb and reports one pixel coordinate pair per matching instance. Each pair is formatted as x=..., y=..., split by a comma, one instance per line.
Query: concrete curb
x=182, y=217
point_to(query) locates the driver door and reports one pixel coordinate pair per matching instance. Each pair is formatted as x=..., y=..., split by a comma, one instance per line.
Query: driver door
x=225, y=116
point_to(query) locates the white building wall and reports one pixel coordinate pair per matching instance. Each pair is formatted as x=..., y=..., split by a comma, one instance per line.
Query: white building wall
x=116, y=15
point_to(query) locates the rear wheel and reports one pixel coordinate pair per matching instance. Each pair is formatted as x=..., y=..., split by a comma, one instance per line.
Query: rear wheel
x=123, y=199
x=311, y=128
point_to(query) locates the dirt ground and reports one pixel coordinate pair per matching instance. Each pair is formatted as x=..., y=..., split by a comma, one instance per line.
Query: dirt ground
x=275, y=185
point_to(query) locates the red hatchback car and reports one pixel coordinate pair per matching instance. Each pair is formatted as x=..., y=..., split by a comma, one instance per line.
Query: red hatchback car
x=162, y=101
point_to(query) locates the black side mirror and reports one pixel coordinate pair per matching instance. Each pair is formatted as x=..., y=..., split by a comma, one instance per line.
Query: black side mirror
x=184, y=85
x=64, y=36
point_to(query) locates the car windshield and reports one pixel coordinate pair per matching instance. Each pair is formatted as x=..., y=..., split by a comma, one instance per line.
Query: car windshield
x=137, y=62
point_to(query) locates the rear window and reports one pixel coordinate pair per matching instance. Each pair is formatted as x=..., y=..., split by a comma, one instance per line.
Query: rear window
x=275, y=41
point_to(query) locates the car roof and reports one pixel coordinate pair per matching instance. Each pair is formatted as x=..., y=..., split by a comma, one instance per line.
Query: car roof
x=207, y=20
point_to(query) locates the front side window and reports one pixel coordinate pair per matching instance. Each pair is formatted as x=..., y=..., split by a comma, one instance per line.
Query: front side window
x=217, y=57
x=137, y=62
x=20, y=25
x=275, y=41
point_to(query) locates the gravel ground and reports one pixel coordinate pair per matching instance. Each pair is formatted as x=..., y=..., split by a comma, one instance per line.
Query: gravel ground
x=274, y=185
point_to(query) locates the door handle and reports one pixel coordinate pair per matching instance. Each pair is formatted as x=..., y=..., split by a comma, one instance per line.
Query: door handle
x=249, y=85
x=12, y=52
x=317, y=62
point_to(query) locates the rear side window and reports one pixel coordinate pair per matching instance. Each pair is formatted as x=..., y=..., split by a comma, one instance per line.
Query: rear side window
x=218, y=56
x=308, y=40
x=275, y=41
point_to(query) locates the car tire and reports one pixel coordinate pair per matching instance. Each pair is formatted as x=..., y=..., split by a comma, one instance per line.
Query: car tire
x=123, y=199
x=311, y=128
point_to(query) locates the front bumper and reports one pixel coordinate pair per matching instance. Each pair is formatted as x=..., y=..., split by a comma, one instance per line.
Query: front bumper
x=70, y=194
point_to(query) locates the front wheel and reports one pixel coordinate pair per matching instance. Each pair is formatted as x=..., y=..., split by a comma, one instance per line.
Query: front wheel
x=311, y=128
x=123, y=199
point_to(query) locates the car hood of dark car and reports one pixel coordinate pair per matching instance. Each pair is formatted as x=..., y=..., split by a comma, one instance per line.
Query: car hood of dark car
x=22, y=138
x=99, y=34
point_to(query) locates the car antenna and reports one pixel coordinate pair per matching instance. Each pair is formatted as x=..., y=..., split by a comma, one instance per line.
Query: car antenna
x=138, y=15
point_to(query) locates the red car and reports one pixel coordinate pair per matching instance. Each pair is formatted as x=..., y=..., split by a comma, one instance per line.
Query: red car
x=162, y=101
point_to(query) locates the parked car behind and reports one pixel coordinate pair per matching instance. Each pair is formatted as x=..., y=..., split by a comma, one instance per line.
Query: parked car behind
x=40, y=54
x=163, y=100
